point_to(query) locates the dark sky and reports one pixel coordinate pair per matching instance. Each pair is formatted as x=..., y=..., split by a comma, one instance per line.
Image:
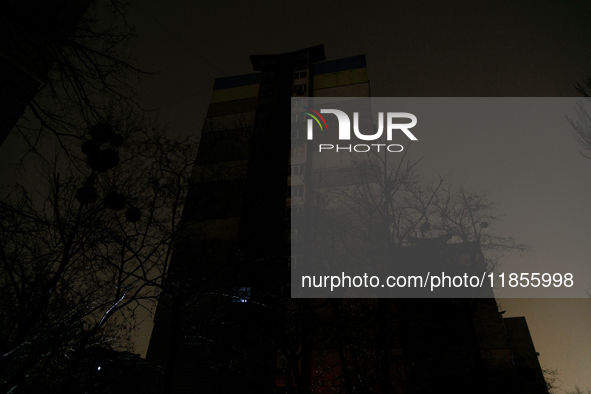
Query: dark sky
x=419, y=49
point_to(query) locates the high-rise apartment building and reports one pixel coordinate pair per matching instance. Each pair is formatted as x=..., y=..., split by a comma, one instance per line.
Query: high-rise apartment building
x=236, y=249
x=229, y=324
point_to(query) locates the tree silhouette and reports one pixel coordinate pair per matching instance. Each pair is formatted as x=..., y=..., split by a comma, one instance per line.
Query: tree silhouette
x=75, y=55
x=80, y=256
x=582, y=125
x=377, y=210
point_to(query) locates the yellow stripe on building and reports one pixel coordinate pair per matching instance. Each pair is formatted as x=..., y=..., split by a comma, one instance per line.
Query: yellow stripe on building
x=340, y=78
x=238, y=93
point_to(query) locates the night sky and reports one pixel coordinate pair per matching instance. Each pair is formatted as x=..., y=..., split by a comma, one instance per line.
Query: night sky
x=419, y=49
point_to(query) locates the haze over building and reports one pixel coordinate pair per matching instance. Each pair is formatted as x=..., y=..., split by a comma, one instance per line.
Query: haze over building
x=230, y=324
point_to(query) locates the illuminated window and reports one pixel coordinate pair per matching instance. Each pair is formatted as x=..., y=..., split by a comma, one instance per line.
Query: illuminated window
x=241, y=294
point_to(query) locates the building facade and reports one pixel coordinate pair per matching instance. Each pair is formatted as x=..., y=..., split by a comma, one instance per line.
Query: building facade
x=228, y=323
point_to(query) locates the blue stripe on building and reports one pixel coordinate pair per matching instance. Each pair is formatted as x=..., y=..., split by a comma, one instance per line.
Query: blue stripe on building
x=334, y=66
x=236, y=81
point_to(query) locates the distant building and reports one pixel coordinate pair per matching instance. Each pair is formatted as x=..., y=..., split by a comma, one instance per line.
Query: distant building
x=229, y=324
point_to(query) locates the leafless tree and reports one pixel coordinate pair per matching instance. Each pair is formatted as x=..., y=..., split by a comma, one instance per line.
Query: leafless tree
x=389, y=206
x=578, y=390
x=582, y=125
x=371, y=209
x=76, y=52
x=80, y=256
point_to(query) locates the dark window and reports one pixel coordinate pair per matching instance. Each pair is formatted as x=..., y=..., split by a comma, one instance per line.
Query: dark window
x=296, y=170
x=281, y=363
x=298, y=150
x=294, y=210
x=297, y=134
x=299, y=89
x=298, y=117
x=297, y=191
x=300, y=102
x=263, y=121
x=299, y=74
x=293, y=261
